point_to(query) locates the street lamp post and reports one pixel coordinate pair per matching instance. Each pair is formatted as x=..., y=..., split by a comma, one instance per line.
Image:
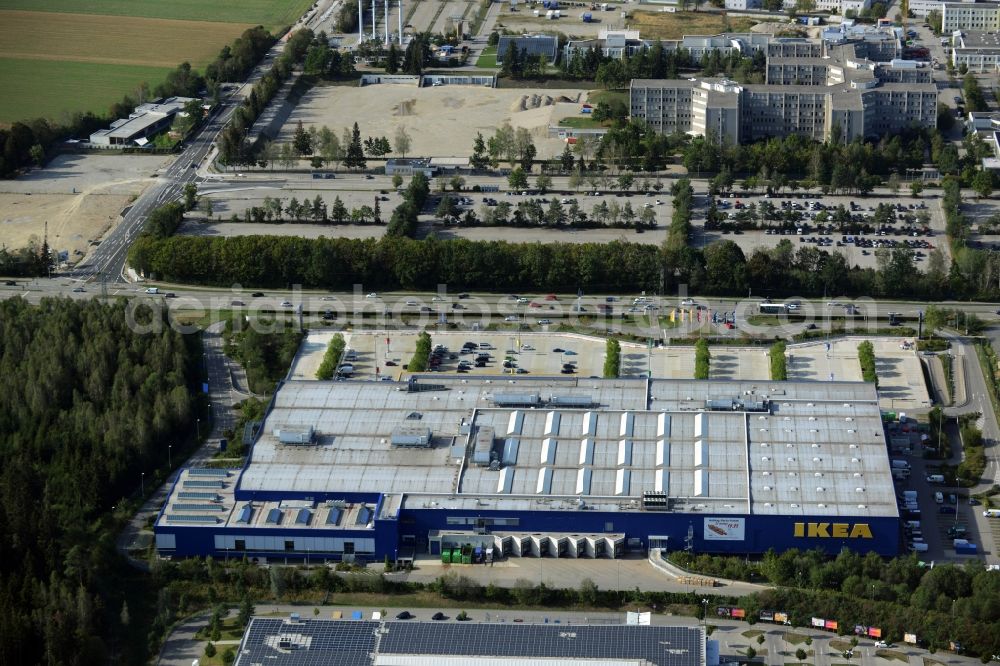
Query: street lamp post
x=170, y=460
x=142, y=484
x=198, y=431
x=704, y=613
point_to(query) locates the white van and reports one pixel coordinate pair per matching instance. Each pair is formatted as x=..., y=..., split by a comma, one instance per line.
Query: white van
x=152, y=290
x=935, y=478
x=919, y=547
x=939, y=497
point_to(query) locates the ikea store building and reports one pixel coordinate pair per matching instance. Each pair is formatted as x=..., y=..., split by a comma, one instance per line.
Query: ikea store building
x=545, y=467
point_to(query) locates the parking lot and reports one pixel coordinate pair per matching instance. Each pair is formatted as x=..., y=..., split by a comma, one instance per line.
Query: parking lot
x=509, y=353
x=933, y=526
x=513, y=353
x=831, y=223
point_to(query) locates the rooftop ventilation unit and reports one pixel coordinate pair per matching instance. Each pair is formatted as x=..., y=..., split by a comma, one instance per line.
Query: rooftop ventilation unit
x=410, y=436
x=654, y=501
x=295, y=436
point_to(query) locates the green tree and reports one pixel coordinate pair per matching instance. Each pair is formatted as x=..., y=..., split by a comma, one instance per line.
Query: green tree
x=916, y=187
x=543, y=182
x=866, y=358
x=355, y=156
x=246, y=611
x=702, y=359
x=392, y=59
x=779, y=364
x=331, y=359
x=302, y=141
x=612, y=358
x=479, y=159
x=401, y=141
x=422, y=355
x=397, y=181
x=190, y=196
x=801, y=654
x=38, y=154
x=982, y=183
x=517, y=179
x=209, y=650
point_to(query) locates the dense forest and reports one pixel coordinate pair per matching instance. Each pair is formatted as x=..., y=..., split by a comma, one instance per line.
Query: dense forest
x=87, y=404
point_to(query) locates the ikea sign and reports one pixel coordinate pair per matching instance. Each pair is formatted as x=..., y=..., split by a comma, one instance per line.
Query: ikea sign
x=833, y=530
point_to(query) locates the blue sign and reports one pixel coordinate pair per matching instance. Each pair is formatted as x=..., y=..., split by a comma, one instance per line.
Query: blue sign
x=204, y=387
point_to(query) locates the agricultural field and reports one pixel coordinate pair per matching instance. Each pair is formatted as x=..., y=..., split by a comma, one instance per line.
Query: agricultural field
x=65, y=56
x=666, y=25
x=116, y=40
x=54, y=89
x=271, y=14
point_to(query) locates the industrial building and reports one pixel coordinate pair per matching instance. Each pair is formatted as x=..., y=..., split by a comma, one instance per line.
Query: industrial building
x=360, y=642
x=545, y=467
x=147, y=120
x=804, y=94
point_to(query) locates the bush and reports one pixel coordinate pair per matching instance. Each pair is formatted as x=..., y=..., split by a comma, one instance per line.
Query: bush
x=612, y=359
x=702, y=359
x=866, y=357
x=209, y=649
x=334, y=351
x=779, y=364
x=422, y=356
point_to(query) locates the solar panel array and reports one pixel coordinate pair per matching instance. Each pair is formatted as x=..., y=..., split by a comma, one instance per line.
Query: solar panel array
x=333, y=518
x=188, y=495
x=193, y=518
x=663, y=646
x=274, y=517
x=345, y=643
x=203, y=483
x=303, y=517
x=364, y=516
x=199, y=507
x=207, y=471
x=352, y=642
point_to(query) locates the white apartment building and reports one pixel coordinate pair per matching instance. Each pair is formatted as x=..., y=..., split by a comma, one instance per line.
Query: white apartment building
x=978, y=17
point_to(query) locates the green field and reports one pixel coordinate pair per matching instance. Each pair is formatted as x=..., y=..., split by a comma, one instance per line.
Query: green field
x=487, y=59
x=268, y=13
x=53, y=88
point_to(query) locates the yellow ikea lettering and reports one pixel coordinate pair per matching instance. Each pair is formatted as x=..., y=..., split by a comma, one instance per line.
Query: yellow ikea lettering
x=862, y=531
x=833, y=530
x=819, y=530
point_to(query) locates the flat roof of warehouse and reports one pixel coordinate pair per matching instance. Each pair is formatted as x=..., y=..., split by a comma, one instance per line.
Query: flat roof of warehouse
x=818, y=450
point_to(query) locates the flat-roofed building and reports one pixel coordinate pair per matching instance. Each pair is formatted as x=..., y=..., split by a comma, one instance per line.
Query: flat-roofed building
x=146, y=121
x=803, y=94
x=546, y=466
x=975, y=16
x=546, y=46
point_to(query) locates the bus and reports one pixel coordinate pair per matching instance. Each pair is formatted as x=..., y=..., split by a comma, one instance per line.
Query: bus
x=772, y=308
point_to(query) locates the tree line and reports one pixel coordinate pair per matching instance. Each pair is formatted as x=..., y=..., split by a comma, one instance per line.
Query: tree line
x=947, y=602
x=265, y=350
x=232, y=143
x=88, y=403
x=274, y=211
x=26, y=143
x=394, y=262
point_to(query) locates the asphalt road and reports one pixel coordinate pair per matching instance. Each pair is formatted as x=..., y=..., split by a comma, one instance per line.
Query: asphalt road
x=107, y=261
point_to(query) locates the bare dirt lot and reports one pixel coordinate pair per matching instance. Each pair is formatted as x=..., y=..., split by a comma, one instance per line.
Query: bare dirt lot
x=442, y=121
x=80, y=196
x=570, y=21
